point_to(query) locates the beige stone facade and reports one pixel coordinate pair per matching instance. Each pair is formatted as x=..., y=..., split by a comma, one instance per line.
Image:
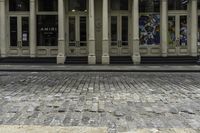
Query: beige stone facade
x=100, y=32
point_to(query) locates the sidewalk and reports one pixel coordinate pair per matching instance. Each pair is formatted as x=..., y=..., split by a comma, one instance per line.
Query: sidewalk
x=100, y=68
x=43, y=129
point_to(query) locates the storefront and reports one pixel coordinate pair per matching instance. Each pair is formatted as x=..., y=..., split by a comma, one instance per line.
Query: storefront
x=99, y=29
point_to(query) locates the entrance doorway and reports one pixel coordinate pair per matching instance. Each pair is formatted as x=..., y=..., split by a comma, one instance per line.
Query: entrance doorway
x=19, y=35
x=119, y=33
x=178, y=35
x=77, y=26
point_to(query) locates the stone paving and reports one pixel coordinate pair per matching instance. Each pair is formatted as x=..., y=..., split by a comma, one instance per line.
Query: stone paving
x=121, y=102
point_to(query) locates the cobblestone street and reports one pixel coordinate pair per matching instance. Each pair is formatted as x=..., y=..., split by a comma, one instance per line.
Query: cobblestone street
x=121, y=102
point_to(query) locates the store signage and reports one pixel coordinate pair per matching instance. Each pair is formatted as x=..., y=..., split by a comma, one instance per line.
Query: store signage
x=48, y=29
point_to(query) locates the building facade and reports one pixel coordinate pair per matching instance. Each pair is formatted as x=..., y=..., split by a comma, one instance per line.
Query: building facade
x=99, y=29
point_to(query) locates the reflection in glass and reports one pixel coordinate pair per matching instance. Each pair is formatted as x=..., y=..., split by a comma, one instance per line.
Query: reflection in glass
x=176, y=5
x=198, y=5
x=114, y=30
x=47, y=5
x=183, y=30
x=124, y=30
x=149, y=5
x=149, y=27
x=47, y=30
x=77, y=5
x=119, y=4
x=25, y=31
x=72, y=31
x=13, y=31
x=18, y=5
x=171, y=31
x=199, y=30
x=83, y=31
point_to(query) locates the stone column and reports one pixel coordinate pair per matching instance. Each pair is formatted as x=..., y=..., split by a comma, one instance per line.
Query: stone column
x=105, y=37
x=32, y=29
x=164, y=26
x=91, y=42
x=61, y=32
x=193, y=27
x=135, y=31
x=3, y=25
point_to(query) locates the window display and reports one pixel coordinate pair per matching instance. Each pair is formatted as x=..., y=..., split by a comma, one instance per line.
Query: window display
x=47, y=30
x=149, y=22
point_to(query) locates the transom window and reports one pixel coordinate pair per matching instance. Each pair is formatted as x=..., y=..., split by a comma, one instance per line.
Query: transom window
x=47, y=5
x=119, y=4
x=149, y=5
x=176, y=5
x=77, y=5
x=19, y=5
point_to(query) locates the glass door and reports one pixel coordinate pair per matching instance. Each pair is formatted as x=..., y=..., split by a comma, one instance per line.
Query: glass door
x=177, y=35
x=119, y=32
x=19, y=34
x=77, y=26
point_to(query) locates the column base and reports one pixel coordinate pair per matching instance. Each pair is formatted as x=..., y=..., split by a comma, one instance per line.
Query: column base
x=32, y=55
x=164, y=54
x=105, y=60
x=60, y=59
x=91, y=60
x=3, y=55
x=194, y=54
x=136, y=59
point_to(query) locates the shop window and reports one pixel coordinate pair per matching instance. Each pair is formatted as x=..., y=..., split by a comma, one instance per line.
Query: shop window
x=47, y=30
x=198, y=30
x=119, y=4
x=198, y=4
x=47, y=5
x=19, y=5
x=149, y=22
x=149, y=26
x=177, y=5
x=77, y=5
x=149, y=5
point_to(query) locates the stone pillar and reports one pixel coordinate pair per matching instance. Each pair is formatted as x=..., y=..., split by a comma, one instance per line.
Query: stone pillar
x=61, y=32
x=105, y=37
x=193, y=27
x=91, y=42
x=164, y=27
x=3, y=25
x=135, y=28
x=32, y=29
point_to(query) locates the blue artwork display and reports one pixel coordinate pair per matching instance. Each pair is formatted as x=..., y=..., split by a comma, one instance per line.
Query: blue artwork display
x=149, y=26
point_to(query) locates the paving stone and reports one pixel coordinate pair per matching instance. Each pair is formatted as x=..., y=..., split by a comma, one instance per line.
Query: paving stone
x=118, y=101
